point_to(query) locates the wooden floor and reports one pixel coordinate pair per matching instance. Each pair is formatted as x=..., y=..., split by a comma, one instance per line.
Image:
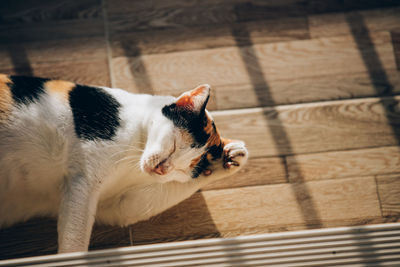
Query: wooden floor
x=310, y=85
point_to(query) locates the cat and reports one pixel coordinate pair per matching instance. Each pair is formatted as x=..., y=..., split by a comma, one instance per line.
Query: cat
x=85, y=153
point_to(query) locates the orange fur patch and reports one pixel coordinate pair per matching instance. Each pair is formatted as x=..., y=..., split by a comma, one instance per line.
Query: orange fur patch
x=185, y=101
x=6, y=100
x=208, y=129
x=59, y=87
x=195, y=161
x=197, y=91
x=215, y=138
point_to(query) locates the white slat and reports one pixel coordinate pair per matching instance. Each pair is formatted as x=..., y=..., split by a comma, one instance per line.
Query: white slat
x=354, y=246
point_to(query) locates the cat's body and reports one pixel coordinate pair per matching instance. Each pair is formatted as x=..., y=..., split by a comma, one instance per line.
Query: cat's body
x=84, y=153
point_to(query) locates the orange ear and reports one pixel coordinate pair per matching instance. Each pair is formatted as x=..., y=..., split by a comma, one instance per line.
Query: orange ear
x=195, y=99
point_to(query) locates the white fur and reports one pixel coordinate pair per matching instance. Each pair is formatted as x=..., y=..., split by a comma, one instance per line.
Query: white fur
x=46, y=170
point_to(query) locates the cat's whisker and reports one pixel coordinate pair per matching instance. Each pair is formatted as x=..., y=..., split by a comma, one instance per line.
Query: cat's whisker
x=126, y=145
x=121, y=146
x=127, y=158
x=117, y=153
x=135, y=165
x=134, y=149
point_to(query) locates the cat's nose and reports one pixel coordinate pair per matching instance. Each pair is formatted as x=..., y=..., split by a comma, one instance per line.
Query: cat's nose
x=161, y=169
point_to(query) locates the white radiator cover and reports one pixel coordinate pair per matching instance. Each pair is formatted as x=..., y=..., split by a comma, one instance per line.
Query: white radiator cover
x=372, y=245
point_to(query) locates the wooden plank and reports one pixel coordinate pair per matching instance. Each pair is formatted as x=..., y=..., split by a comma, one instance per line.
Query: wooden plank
x=77, y=49
x=325, y=6
x=259, y=66
x=139, y=240
x=311, y=128
x=309, y=89
x=35, y=237
x=311, y=6
x=389, y=194
x=39, y=237
x=275, y=9
x=178, y=14
x=175, y=17
x=104, y=236
x=260, y=171
x=94, y=72
x=56, y=30
x=115, y=7
x=22, y=11
x=325, y=25
x=338, y=164
x=205, y=37
x=261, y=207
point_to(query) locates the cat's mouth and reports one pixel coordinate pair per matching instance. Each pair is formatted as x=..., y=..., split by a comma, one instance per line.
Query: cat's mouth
x=155, y=164
x=162, y=168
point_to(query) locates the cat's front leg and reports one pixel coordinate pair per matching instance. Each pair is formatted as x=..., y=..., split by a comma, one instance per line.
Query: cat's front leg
x=233, y=158
x=76, y=214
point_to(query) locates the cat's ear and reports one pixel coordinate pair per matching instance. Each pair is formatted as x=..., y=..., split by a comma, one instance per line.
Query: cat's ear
x=194, y=100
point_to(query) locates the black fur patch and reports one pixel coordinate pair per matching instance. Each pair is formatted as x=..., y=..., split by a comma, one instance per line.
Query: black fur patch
x=26, y=89
x=96, y=113
x=192, y=122
x=201, y=166
x=216, y=151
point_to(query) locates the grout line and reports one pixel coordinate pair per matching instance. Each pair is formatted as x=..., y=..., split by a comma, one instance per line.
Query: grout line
x=108, y=47
x=324, y=152
x=235, y=111
x=377, y=194
x=340, y=150
x=302, y=182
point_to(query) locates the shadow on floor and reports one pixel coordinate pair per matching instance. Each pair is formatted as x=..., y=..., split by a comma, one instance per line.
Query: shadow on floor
x=32, y=238
x=188, y=220
x=138, y=69
x=20, y=61
x=277, y=129
x=376, y=71
x=382, y=86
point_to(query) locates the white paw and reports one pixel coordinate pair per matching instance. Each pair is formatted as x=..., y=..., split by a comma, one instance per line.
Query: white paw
x=235, y=155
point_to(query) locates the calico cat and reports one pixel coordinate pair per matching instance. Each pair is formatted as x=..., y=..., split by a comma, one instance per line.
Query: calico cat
x=86, y=153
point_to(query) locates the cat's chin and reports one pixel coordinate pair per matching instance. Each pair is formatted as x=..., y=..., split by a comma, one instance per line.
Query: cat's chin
x=176, y=175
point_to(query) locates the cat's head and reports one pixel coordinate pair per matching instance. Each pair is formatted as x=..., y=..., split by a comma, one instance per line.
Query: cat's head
x=183, y=139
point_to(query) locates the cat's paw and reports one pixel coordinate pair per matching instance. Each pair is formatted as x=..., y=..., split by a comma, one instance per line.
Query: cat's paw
x=235, y=155
x=233, y=159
